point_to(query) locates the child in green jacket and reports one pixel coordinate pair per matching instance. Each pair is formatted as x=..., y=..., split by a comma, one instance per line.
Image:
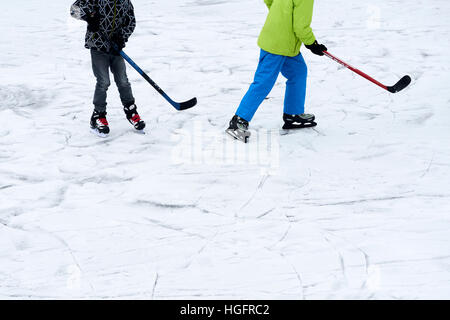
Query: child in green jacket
x=288, y=25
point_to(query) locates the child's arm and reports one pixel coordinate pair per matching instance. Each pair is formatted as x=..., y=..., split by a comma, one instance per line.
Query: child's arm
x=268, y=3
x=80, y=9
x=303, y=12
x=129, y=23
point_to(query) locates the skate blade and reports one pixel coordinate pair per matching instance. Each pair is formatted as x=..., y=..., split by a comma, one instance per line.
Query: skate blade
x=141, y=132
x=244, y=139
x=99, y=134
x=299, y=126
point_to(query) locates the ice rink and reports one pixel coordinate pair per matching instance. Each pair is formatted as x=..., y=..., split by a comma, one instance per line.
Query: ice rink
x=356, y=208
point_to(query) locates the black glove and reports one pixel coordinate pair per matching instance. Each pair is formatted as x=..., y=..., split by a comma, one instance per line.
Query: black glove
x=93, y=21
x=118, y=44
x=317, y=48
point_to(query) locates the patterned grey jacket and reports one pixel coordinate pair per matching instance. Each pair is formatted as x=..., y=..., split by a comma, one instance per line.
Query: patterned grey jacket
x=116, y=16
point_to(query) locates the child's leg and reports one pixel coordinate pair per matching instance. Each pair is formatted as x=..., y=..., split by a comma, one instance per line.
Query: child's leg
x=100, y=66
x=119, y=71
x=266, y=75
x=296, y=71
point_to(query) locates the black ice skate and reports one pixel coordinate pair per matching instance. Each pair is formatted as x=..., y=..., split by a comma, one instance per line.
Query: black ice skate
x=99, y=124
x=134, y=118
x=238, y=129
x=298, y=121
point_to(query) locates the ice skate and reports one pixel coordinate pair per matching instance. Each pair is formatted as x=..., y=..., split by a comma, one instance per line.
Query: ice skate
x=298, y=121
x=238, y=129
x=134, y=118
x=99, y=124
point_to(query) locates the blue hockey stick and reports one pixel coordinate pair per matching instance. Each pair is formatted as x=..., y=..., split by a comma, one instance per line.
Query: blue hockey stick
x=177, y=105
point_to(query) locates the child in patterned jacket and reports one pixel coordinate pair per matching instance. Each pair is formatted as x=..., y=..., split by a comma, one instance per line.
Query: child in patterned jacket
x=110, y=24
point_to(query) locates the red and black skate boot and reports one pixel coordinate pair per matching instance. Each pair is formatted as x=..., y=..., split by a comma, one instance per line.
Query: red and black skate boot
x=99, y=124
x=134, y=118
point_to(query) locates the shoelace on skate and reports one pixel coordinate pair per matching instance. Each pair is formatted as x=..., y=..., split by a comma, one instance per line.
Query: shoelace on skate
x=103, y=121
x=136, y=118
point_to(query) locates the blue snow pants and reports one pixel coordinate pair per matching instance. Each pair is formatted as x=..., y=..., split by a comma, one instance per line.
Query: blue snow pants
x=270, y=65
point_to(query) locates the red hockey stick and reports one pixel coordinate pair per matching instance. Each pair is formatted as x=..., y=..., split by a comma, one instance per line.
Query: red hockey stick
x=399, y=86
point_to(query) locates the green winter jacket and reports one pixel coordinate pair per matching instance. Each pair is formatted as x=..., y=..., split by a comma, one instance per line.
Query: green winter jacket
x=288, y=25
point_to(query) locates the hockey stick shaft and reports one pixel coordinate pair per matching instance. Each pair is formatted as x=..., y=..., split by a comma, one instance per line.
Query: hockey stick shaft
x=362, y=74
x=400, y=85
x=179, y=106
x=145, y=76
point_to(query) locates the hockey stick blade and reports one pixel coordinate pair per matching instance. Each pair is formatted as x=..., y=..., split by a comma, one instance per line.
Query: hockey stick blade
x=186, y=105
x=400, y=85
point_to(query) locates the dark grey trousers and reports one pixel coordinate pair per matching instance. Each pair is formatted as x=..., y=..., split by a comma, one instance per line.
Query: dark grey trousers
x=101, y=63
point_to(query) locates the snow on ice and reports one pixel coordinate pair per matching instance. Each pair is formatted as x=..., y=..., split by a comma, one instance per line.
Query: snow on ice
x=355, y=208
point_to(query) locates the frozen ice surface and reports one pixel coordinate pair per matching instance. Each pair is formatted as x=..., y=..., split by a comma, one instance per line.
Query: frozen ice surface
x=355, y=208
